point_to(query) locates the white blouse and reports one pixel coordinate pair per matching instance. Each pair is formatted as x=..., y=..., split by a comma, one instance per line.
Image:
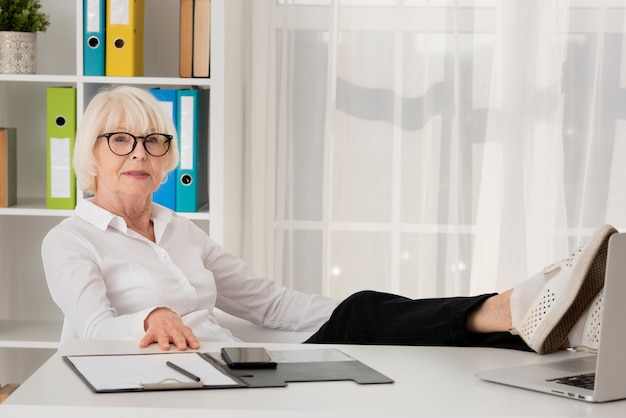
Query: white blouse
x=107, y=278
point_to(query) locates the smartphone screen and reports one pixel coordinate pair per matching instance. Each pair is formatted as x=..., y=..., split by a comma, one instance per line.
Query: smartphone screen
x=247, y=358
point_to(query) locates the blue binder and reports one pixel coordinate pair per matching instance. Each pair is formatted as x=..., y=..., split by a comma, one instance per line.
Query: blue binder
x=187, y=122
x=165, y=195
x=93, y=41
x=190, y=183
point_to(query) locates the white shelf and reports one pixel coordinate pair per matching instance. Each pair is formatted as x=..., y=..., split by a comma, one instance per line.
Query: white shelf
x=30, y=334
x=23, y=105
x=201, y=215
x=37, y=207
x=73, y=79
x=34, y=207
x=39, y=78
x=146, y=81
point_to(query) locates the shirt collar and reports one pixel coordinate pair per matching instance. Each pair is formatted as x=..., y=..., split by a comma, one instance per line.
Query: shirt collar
x=102, y=218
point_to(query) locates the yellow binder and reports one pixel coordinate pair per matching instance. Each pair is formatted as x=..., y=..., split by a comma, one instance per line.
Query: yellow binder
x=124, y=38
x=61, y=133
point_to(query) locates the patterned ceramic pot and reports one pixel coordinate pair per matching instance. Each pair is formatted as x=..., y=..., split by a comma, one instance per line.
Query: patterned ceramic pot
x=18, y=51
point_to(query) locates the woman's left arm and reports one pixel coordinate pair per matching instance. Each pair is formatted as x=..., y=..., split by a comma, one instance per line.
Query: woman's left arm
x=242, y=293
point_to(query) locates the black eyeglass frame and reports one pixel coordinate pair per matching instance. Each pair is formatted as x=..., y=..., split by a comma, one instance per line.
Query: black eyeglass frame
x=108, y=136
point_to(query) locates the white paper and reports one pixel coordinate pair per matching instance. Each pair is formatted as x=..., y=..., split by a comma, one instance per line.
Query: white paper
x=127, y=372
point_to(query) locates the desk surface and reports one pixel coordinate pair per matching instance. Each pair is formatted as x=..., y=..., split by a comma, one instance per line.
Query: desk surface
x=430, y=381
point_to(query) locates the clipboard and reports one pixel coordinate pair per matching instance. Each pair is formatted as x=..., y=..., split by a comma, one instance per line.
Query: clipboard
x=149, y=372
x=309, y=365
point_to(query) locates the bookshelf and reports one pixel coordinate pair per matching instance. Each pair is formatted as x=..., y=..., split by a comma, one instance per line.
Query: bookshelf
x=30, y=322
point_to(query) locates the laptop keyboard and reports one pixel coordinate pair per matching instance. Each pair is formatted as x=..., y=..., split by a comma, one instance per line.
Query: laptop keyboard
x=585, y=381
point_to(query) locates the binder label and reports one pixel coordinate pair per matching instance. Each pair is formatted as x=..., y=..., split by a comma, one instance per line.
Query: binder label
x=93, y=15
x=120, y=12
x=60, y=175
x=187, y=128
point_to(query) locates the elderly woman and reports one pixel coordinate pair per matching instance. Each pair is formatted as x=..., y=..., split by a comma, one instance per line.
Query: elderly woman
x=123, y=267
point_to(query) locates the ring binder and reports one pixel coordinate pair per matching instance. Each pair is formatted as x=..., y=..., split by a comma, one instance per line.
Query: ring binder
x=60, y=132
x=93, y=37
x=124, y=38
x=316, y=365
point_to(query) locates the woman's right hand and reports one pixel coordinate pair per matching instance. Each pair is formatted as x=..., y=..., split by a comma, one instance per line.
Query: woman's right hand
x=164, y=327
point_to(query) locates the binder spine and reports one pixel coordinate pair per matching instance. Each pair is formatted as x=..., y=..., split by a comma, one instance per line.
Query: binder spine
x=94, y=39
x=201, y=38
x=165, y=195
x=124, y=38
x=61, y=132
x=186, y=180
x=185, y=38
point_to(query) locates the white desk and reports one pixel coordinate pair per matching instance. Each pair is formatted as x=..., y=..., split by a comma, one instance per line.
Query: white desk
x=430, y=381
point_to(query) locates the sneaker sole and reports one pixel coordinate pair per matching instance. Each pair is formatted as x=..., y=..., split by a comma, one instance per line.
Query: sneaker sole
x=591, y=331
x=587, y=281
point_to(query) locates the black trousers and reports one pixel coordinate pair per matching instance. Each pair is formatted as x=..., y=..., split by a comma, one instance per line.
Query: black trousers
x=370, y=317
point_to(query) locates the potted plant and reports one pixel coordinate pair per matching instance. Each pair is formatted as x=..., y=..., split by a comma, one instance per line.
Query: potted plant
x=20, y=20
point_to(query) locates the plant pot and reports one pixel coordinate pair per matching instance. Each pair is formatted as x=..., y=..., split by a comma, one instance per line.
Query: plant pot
x=18, y=52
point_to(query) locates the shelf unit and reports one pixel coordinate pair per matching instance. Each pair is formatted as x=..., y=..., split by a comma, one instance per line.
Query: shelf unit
x=30, y=322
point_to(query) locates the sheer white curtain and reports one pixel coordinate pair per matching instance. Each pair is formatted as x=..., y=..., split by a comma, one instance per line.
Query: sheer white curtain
x=430, y=147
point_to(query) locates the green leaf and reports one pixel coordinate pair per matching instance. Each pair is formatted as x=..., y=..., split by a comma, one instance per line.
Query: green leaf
x=23, y=16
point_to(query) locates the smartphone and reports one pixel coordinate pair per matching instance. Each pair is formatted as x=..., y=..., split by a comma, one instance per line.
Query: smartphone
x=248, y=358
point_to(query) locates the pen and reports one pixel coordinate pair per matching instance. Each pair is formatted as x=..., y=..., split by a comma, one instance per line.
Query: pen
x=183, y=371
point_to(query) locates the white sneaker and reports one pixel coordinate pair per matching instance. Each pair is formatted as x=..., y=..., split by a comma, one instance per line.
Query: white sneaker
x=570, y=286
x=590, y=338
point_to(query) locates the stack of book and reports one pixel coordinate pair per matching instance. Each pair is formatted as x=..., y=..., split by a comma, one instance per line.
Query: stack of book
x=195, y=38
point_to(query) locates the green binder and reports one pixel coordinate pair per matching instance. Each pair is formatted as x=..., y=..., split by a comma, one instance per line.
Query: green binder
x=61, y=133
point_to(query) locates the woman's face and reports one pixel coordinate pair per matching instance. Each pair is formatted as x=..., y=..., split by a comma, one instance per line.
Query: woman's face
x=137, y=174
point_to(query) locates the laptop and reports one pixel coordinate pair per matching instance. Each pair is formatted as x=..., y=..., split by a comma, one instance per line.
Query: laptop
x=607, y=367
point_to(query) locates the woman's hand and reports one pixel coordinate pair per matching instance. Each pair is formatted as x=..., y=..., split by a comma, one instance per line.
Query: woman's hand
x=164, y=327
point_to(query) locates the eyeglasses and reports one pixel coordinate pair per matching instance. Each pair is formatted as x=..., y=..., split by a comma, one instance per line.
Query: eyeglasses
x=123, y=143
